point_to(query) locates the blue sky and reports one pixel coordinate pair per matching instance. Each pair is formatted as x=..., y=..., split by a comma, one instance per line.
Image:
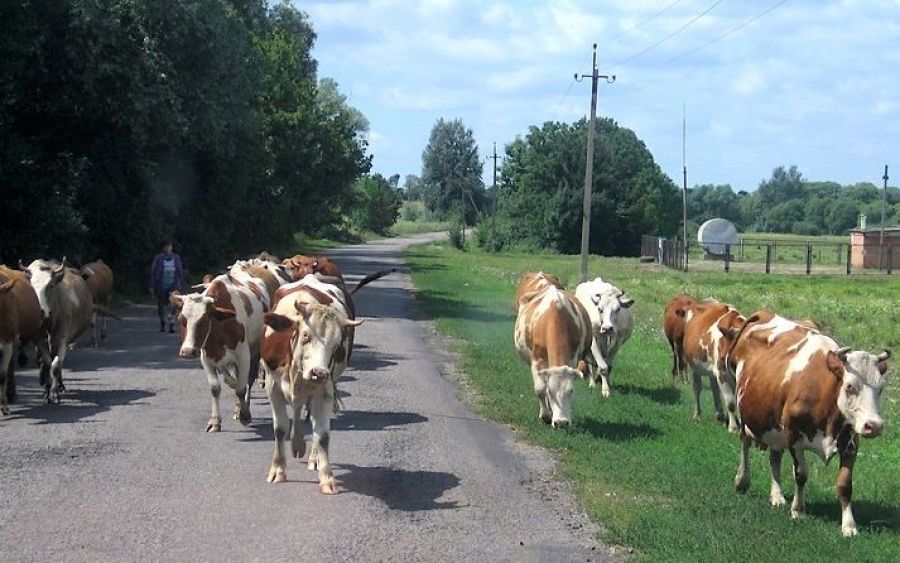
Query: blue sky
x=814, y=83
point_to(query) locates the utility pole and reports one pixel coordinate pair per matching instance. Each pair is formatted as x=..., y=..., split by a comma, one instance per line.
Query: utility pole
x=589, y=168
x=494, y=212
x=462, y=210
x=684, y=189
x=883, y=203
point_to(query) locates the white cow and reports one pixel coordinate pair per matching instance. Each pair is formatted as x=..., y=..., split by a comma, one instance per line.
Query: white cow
x=611, y=323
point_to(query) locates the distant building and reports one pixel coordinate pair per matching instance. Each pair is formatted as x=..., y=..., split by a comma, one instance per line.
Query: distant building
x=867, y=250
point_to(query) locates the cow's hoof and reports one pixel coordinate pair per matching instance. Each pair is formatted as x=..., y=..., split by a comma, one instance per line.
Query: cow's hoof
x=797, y=514
x=276, y=475
x=849, y=531
x=605, y=392
x=214, y=426
x=244, y=418
x=777, y=500
x=298, y=448
x=328, y=488
x=741, y=484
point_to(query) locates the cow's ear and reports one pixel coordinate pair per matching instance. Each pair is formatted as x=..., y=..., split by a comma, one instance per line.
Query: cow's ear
x=595, y=298
x=835, y=363
x=176, y=300
x=223, y=314
x=625, y=301
x=278, y=322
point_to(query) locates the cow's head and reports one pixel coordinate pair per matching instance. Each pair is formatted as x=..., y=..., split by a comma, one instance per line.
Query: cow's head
x=197, y=314
x=610, y=304
x=559, y=385
x=862, y=376
x=318, y=342
x=45, y=276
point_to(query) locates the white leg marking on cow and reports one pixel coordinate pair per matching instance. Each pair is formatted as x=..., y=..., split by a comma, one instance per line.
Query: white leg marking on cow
x=215, y=389
x=281, y=424
x=848, y=523
x=240, y=388
x=321, y=411
x=540, y=389
x=776, y=496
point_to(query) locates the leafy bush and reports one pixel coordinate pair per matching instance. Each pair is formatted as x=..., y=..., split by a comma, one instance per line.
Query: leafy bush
x=457, y=236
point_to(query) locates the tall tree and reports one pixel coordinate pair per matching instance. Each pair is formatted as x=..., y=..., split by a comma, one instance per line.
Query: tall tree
x=451, y=170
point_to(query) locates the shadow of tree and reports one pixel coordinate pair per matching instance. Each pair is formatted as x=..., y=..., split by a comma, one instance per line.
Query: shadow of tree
x=79, y=404
x=346, y=420
x=399, y=489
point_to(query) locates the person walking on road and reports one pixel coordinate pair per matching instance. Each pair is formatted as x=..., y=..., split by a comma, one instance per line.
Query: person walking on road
x=165, y=277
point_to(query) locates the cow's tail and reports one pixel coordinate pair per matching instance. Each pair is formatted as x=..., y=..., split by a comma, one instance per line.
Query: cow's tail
x=370, y=278
x=103, y=310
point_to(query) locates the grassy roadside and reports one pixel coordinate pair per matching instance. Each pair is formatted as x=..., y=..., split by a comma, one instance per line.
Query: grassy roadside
x=655, y=479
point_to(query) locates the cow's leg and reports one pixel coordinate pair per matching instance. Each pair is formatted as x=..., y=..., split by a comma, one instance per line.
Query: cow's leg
x=776, y=497
x=601, y=369
x=7, y=362
x=540, y=389
x=94, y=340
x=845, y=489
x=798, y=507
x=281, y=424
x=726, y=390
x=43, y=354
x=698, y=386
x=242, y=389
x=321, y=409
x=298, y=444
x=104, y=322
x=717, y=399
x=742, y=478
x=56, y=379
x=215, y=389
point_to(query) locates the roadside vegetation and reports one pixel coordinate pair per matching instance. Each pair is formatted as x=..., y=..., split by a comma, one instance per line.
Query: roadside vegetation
x=652, y=477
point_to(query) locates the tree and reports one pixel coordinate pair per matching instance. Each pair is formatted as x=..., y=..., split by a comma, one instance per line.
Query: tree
x=542, y=183
x=451, y=170
x=412, y=187
x=377, y=203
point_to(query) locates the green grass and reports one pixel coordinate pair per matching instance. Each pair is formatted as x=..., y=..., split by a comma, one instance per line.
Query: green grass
x=656, y=480
x=403, y=227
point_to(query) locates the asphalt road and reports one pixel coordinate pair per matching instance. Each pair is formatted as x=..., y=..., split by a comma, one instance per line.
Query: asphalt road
x=123, y=470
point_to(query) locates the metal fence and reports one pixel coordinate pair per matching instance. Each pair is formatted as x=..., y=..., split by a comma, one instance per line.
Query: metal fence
x=775, y=256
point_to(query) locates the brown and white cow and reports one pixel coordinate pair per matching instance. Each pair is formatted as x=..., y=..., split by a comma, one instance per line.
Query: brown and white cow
x=306, y=347
x=797, y=391
x=20, y=323
x=673, y=326
x=99, y=279
x=552, y=335
x=67, y=307
x=223, y=326
x=709, y=330
x=300, y=266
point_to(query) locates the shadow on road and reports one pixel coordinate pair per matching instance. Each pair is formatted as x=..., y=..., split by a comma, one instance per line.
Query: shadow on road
x=372, y=361
x=346, y=420
x=399, y=489
x=78, y=404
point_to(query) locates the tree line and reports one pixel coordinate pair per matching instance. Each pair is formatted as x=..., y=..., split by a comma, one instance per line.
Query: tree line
x=128, y=122
x=788, y=203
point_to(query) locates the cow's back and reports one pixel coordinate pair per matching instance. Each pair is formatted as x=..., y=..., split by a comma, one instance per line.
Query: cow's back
x=23, y=303
x=700, y=317
x=99, y=279
x=74, y=307
x=552, y=327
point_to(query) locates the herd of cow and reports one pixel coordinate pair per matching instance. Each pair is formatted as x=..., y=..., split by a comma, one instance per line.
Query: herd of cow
x=785, y=384
x=780, y=383
x=50, y=305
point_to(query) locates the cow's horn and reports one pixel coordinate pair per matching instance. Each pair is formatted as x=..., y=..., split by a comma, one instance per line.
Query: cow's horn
x=842, y=352
x=22, y=266
x=884, y=356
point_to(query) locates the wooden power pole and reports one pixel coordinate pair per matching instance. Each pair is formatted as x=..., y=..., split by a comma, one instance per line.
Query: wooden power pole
x=589, y=168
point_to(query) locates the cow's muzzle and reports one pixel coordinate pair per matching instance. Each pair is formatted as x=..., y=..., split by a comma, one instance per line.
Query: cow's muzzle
x=188, y=353
x=872, y=428
x=317, y=374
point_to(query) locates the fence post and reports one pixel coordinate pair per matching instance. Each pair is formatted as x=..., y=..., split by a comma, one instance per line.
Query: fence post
x=890, y=260
x=849, y=253
x=837, y=257
x=687, y=250
x=808, y=258
x=727, y=257
x=768, y=257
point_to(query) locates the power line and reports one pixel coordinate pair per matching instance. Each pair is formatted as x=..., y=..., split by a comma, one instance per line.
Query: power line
x=572, y=83
x=666, y=38
x=727, y=33
x=640, y=23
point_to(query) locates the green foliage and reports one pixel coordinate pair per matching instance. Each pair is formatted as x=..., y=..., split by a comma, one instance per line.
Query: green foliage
x=129, y=121
x=787, y=203
x=541, y=191
x=377, y=204
x=451, y=171
x=655, y=479
x=457, y=236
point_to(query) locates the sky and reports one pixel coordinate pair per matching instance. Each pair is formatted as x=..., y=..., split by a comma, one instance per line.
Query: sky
x=763, y=83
